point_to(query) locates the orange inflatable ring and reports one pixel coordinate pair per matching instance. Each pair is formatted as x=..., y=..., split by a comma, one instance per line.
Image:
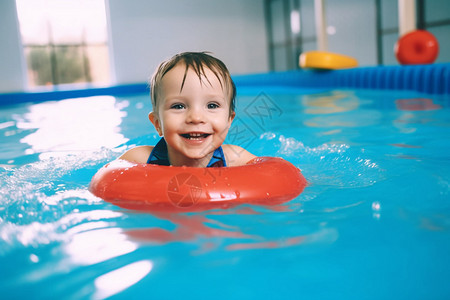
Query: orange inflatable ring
x=417, y=47
x=262, y=181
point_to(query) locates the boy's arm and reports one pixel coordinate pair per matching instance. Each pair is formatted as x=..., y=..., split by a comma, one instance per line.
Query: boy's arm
x=236, y=156
x=138, y=154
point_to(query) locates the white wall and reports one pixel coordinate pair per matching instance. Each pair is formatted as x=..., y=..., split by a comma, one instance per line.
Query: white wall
x=145, y=32
x=355, y=24
x=12, y=76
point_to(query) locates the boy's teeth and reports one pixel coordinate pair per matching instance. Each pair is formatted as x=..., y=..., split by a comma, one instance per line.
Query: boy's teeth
x=195, y=135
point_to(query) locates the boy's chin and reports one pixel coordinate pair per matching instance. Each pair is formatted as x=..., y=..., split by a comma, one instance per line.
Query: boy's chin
x=196, y=158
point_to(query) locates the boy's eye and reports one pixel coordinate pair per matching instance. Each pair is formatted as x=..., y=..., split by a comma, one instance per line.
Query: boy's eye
x=177, y=106
x=213, y=105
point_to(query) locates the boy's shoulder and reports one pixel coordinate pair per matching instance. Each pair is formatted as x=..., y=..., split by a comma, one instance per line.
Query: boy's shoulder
x=236, y=155
x=138, y=154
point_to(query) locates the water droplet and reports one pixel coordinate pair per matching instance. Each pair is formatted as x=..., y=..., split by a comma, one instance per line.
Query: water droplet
x=376, y=206
x=34, y=258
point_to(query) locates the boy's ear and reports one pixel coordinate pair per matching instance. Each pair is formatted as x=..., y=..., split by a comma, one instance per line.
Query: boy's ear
x=155, y=121
x=232, y=115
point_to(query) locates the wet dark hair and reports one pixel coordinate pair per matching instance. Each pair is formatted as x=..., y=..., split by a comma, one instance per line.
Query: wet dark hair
x=198, y=61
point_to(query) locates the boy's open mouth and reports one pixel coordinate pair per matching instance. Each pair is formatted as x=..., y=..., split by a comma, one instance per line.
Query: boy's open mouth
x=195, y=135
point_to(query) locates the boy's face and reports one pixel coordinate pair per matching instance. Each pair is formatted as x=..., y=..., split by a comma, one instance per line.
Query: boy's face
x=195, y=120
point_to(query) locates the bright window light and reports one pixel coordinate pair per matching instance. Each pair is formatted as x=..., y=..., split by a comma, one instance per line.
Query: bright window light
x=64, y=41
x=295, y=22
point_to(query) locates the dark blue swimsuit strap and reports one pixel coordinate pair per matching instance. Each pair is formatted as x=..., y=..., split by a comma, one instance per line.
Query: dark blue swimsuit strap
x=159, y=156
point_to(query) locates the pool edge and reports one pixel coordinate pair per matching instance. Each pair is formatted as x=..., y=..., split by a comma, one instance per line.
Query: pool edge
x=429, y=79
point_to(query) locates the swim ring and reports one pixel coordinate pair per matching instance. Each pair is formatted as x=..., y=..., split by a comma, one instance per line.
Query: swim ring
x=417, y=47
x=326, y=60
x=145, y=187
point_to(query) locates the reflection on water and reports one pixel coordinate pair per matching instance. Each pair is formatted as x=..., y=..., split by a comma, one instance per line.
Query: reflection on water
x=414, y=111
x=331, y=110
x=97, y=245
x=73, y=125
x=118, y=280
x=330, y=102
x=194, y=228
x=416, y=104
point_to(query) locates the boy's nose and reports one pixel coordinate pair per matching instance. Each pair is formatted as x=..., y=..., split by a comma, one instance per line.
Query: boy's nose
x=194, y=116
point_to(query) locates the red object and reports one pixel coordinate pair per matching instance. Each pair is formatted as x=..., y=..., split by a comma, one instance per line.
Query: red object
x=416, y=104
x=417, y=47
x=145, y=187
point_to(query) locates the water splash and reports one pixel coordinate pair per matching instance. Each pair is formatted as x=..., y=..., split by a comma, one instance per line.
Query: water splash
x=327, y=164
x=50, y=223
x=48, y=189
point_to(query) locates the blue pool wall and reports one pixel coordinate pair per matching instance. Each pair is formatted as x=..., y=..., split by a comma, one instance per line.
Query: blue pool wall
x=428, y=79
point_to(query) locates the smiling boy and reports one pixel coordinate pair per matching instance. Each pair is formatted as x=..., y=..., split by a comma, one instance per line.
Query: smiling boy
x=193, y=99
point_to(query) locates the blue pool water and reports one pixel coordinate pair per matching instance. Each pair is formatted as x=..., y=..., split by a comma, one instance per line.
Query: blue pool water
x=373, y=223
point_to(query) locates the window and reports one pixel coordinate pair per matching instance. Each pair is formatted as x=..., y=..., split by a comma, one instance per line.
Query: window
x=286, y=37
x=64, y=41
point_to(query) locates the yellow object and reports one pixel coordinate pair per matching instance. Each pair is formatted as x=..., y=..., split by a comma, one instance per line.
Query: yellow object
x=326, y=60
